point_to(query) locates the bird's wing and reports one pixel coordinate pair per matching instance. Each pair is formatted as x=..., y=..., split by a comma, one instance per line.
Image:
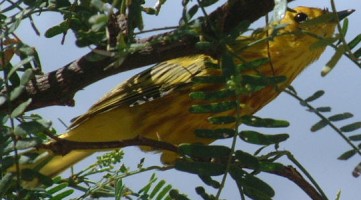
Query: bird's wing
x=151, y=84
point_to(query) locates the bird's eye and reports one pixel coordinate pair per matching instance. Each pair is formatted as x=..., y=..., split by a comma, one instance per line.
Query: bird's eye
x=300, y=17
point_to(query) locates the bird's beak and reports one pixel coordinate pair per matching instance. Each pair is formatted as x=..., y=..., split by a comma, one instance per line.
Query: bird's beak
x=343, y=14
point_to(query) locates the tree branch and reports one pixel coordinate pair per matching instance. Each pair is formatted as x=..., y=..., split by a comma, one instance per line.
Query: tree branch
x=59, y=87
x=63, y=147
x=293, y=175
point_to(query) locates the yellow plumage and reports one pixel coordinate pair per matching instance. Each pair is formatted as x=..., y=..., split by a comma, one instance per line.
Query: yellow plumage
x=155, y=103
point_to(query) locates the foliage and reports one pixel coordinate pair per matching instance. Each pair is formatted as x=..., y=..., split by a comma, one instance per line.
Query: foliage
x=88, y=20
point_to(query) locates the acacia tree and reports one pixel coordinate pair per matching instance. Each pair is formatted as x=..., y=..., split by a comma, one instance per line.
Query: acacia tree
x=110, y=29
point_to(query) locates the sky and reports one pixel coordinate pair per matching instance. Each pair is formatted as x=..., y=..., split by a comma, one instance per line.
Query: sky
x=317, y=152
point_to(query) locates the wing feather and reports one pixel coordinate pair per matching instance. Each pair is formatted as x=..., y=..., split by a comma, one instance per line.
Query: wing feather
x=151, y=84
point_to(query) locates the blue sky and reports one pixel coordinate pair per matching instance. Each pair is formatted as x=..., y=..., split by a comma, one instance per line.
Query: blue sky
x=318, y=152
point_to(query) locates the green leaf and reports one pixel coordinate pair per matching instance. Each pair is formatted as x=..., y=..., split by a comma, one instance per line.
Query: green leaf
x=252, y=186
x=322, y=43
x=254, y=137
x=255, y=81
x=204, y=151
x=15, y=24
x=339, y=117
x=211, y=95
x=2, y=99
x=355, y=137
x=98, y=21
x=200, y=168
x=202, y=192
x=357, y=53
x=355, y=41
x=62, y=195
x=62, y=28
x=254, y=64
x=16, y=92
x=29, y=174
x=146, y=188
x=209, y=79
x=32, y=127
x=320, y=20
x=162, y=194
x=227, y=65
x=20, y=109
x=119, y=189
x=333, y=61
x=156, y=188
x=222, y=120
x=213, y=107
x=27, y=143
x=174, y=194
x=5, y=183
x=221, y=133
x=344, y=27
x=263, y=122
x=192, y=11
x=324, y=109
x=247, y=159
x=206, y=3
x=315, y=96
x=270, y=166
x=351, y=127
x=26, y=77
x=319, y=125
x=347, y=155
x=209, y=181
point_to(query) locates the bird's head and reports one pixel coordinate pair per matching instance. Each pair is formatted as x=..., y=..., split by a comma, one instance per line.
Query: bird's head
x=312, y=21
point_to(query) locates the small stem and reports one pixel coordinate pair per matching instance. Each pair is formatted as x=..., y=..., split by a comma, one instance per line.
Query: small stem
x=314, y=110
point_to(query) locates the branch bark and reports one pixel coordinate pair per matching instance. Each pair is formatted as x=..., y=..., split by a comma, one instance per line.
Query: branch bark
x=59, y=87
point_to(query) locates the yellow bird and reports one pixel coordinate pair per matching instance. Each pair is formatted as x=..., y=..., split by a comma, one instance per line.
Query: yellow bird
x=155, y=103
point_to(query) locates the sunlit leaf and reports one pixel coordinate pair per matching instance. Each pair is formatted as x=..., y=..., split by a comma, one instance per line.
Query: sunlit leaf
x=20, y=109
x=333, y=61
x=27, y=76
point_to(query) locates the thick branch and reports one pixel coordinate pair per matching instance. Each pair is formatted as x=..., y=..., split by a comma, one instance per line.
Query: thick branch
x=58, y=87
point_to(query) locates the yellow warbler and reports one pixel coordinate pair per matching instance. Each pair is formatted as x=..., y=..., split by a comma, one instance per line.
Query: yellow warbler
x=155, y=103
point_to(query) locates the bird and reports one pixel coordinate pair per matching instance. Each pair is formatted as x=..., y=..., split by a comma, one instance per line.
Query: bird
x=155, y=103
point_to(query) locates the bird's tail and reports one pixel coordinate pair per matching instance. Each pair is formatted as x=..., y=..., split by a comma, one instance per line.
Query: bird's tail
x=46, y=163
